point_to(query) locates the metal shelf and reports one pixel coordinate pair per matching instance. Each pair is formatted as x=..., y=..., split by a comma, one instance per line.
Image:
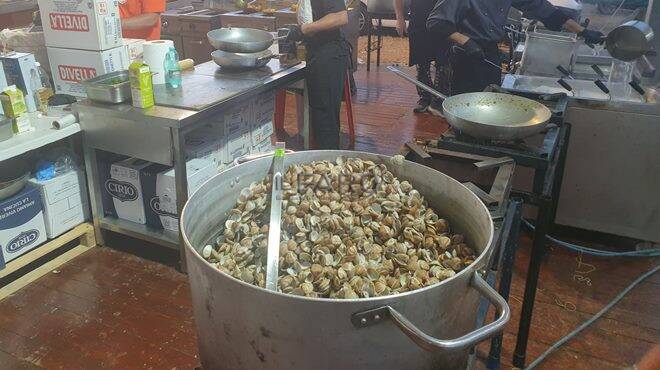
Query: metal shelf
x=165, y=238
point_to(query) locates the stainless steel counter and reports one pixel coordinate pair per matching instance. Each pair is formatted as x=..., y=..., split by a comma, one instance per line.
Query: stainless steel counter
x=157, y=134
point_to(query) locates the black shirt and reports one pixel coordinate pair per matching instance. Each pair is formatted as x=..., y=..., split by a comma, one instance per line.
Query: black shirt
x=321, y=8
x=483, y=20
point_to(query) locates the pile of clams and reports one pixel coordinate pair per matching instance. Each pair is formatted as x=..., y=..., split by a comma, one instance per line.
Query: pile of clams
x=350, y=229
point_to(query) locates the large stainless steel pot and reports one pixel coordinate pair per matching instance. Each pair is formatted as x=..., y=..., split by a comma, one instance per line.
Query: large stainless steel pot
x=629, y=41
x=241, y=326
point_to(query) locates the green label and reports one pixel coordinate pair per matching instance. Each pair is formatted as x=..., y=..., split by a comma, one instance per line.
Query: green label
x=279, y=153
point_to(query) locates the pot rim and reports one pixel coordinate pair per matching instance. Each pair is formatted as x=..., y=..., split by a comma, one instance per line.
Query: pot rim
x=380, y=299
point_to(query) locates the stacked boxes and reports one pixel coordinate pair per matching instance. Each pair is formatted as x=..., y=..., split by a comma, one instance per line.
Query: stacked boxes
x=22, y=225
x=134, y=49
x=261, y=124
x=143, y=192
x=19, y=70
x=237, y=132
x=64, y=200
x=83, y=39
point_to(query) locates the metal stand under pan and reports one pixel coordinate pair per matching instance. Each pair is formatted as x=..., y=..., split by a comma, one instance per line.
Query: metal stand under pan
x=546, y=156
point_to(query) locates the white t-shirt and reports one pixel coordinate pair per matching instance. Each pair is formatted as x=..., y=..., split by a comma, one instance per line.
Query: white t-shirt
x=304, y=13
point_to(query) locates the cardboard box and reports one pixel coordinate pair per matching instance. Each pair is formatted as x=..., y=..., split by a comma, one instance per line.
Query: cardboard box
x=70, y=66
x=134, y=48
x=22, y=225
x=198, y=171
x=142, y=88
x=260, y=132
x=206, y=143
x=3, y=79
x=263, y=147
x=21, y=124
x=83, y=24
x=20, y=69
x=13, y=102
x=238, y=145
x=125, y=188
x=152, y=209
x=237, y=119
x=64, y=200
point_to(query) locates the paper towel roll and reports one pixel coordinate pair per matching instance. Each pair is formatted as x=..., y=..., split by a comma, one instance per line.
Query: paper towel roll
x=154, y=56
x=64, y=121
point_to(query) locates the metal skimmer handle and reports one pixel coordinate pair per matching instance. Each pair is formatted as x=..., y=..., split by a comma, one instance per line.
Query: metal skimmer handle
x=429, y=343
x=273, y=256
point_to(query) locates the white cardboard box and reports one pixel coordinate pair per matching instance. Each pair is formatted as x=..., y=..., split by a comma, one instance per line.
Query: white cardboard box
x=22, y=225
x=261, y=132
x=238, y=119
x=238, y=145
x=134, y=49
x=198, y=170
x=126, y=189
x=81, y=24
x=206, y=143
x=19, y=70
x=70, y=66
x=263, y=147
x=3, y=79
x=64, y=200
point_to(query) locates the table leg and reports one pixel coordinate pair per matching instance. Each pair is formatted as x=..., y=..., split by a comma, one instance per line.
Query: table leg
x=95, y=191
x=369, y=27
x=511, y=231
x=379, y=41
x=559, y=169
x=181, y=182
x=538, y=251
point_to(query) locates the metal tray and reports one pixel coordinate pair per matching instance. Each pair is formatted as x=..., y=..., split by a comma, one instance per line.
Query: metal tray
x=98, y=89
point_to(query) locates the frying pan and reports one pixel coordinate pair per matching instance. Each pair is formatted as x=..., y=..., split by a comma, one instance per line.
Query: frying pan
x=490, y=115
x=241, y=40
x=629, y=41
x=242, y=60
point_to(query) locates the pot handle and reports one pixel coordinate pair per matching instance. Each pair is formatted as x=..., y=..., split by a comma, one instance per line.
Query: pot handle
x=429, y=343
x=251, y=157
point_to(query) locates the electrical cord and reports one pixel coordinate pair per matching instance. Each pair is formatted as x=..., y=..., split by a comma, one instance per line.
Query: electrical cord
x=597, y=252
x=595, y=317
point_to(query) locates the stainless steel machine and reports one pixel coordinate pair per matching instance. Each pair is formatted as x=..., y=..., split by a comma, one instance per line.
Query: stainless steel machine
x=612, y=173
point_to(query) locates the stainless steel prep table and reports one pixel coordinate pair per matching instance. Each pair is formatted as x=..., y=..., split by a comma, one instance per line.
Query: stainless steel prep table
x=158, y=134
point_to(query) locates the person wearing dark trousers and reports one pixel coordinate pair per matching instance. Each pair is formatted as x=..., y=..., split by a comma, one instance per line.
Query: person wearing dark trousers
x=475, y=27
x=327, y=61
x=423, y=49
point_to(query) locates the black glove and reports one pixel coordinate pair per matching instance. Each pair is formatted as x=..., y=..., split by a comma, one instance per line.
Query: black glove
x=473, y=50
x=295, y=33
x=592, y=36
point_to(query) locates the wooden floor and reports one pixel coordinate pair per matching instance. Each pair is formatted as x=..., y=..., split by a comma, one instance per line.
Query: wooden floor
x=112, y=309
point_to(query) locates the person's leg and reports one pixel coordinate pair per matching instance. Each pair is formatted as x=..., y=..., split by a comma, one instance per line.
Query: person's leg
x=423, y=76
x=325, y=81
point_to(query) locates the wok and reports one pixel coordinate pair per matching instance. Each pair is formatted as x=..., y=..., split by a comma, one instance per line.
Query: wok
x=490, y=115
x=241, y=40
x=629, y=41
x=242, y=60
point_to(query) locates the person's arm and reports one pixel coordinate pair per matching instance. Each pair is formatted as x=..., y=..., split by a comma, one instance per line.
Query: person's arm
x=329, y=22
x=555, y=19
x=444, y=18
x=150, y=16
x=400, y=17
x=140, y=22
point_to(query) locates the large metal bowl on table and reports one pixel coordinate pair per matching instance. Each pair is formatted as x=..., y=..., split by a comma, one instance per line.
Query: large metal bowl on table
x=242, y=60
x=490, y=115
x=240, y=40
x=242, y=326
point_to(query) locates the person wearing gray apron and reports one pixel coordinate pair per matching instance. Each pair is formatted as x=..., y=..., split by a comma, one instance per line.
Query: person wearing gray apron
x=423, y=48
x=327, y=61
x=475, y=27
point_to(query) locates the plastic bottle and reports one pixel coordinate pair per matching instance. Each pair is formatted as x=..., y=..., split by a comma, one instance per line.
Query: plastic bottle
x=172, y=69
x=40, y=85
